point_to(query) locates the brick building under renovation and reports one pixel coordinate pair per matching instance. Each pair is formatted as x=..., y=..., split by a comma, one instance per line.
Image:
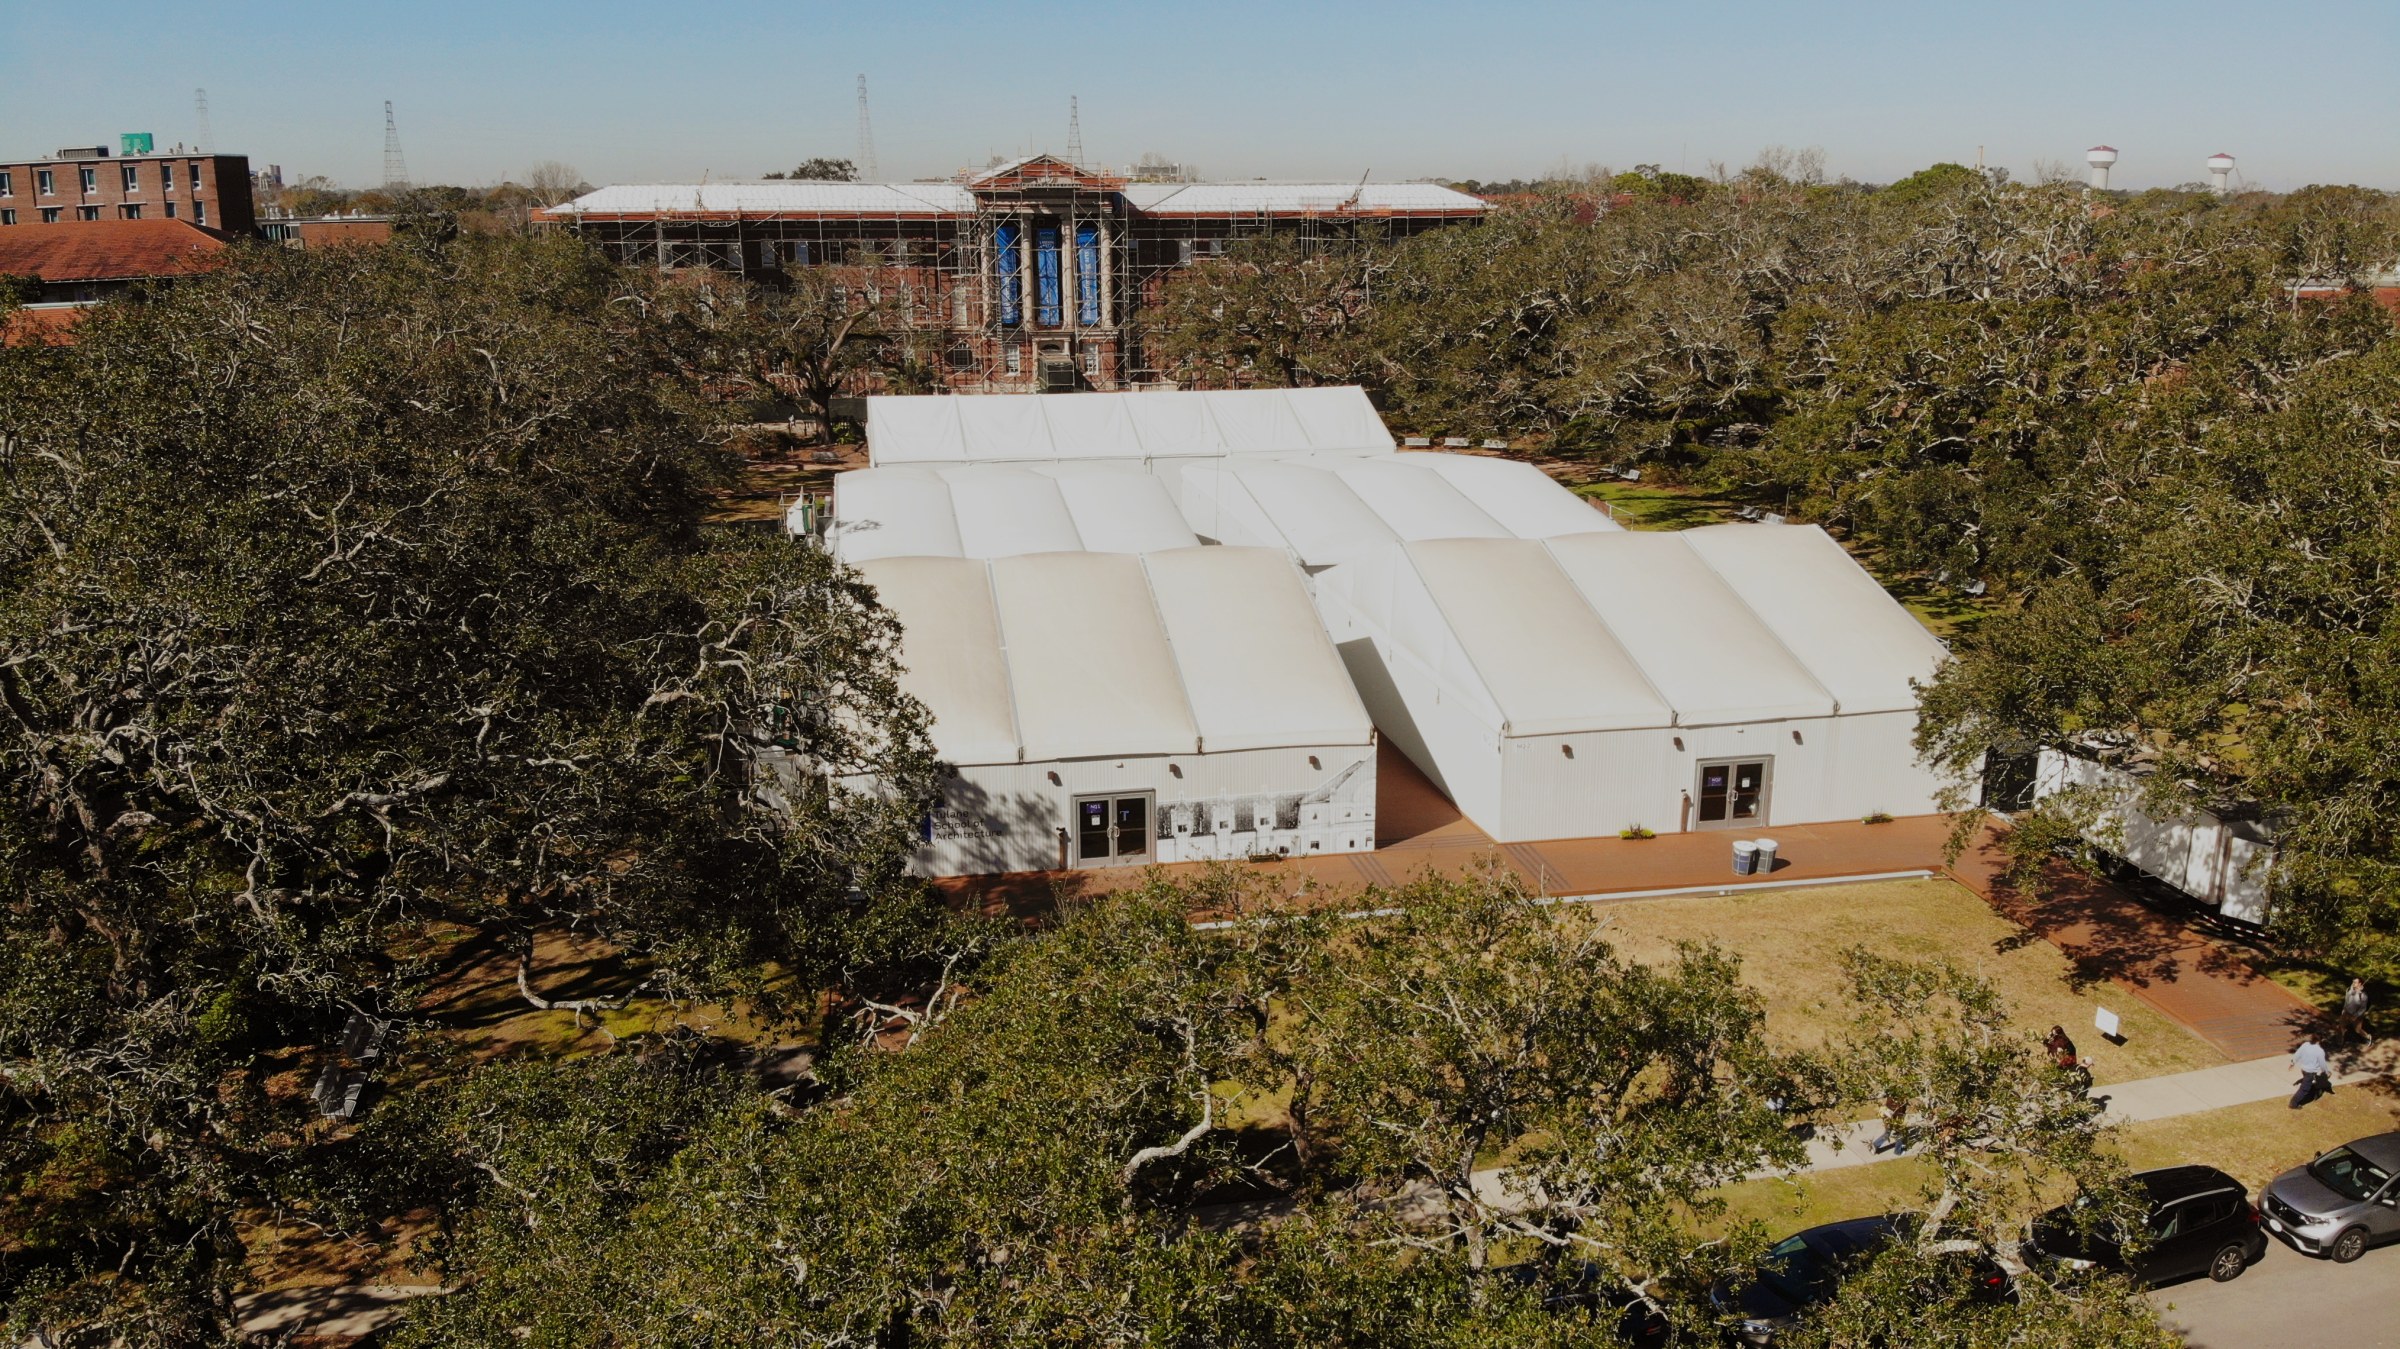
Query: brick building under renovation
x=1033, y=272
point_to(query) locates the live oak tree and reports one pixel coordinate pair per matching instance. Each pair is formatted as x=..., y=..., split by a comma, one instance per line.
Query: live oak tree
x=1122, y=1129
x=346, y=593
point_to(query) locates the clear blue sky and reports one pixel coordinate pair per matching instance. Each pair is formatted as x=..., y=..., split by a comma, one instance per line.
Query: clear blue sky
x=2301, y=91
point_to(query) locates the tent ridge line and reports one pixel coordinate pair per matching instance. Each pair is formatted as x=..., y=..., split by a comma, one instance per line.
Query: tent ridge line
x=1183, y=683
x=1008, y=673
x=1752, y=610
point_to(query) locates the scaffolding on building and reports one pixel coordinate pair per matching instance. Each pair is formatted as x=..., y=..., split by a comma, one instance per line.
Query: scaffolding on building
x=1031, y=274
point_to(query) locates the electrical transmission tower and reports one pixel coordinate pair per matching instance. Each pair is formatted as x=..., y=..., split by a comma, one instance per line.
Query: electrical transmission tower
x=395, y=165
x=1074, y=132
x=208, y=138
x=867, y=172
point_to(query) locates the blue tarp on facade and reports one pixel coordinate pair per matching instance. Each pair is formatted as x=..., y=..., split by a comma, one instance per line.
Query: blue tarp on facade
x=1049, y=308
x=1087, y=275
x=1012, y=304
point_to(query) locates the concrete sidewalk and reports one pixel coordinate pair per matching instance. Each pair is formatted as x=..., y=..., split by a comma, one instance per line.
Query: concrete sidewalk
x=2267, y=1079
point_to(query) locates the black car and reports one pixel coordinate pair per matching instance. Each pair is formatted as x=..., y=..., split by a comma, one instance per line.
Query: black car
x=1808, y=1267
x=2201, y=1221
x=1639, y=1322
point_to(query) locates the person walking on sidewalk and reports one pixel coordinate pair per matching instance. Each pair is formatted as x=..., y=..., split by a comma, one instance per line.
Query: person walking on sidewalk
x=2353, y=1022
x=1895, y=1127
x=2315, y=1078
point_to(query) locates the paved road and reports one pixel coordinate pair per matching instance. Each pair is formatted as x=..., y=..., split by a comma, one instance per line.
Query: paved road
x=2291, y=1299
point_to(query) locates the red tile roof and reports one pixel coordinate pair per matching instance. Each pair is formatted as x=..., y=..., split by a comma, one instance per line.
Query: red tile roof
x=49, y=325
x=107, y=250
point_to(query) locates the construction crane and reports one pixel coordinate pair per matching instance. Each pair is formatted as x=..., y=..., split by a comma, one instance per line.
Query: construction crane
x=1074, y=132
x=208, y=138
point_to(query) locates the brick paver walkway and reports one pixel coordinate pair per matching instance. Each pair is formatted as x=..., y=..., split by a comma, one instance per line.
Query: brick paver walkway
x=2108, y=934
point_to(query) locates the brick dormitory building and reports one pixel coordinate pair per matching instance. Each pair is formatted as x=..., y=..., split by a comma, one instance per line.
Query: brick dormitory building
x=1031, y=272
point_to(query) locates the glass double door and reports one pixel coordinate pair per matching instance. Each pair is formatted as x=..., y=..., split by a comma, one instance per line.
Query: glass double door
x=1113, y=830
x=1732, y=793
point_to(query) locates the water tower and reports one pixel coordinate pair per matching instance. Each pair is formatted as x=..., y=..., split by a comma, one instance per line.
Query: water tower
x=2100, y=157
x=2220, y=172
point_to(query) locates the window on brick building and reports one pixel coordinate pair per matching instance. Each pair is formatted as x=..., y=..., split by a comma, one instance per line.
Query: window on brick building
x=91, y=179
x=133, y=177
x=170, y=210
x=48, y=184
x=199, y=213
x=195, y=175
x=8, y=183
x=8, y=217
x=129, y=212
x=166, y=177
x=49, y=215
x=87, y=213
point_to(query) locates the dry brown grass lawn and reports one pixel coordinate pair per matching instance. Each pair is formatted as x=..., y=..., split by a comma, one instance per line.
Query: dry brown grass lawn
x=1791, y=942
x=2252, y=1143
x=2256, y=1142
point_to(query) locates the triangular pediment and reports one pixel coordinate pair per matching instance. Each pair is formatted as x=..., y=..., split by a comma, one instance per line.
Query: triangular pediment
x=1039, y=171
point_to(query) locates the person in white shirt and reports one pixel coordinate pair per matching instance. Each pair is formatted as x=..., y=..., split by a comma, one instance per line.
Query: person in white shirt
x=2315, y=1075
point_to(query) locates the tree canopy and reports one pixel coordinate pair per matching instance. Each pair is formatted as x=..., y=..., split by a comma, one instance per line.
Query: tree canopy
x=347, y=593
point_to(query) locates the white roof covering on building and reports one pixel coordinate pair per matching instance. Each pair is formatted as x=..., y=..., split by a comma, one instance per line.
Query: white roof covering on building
x=1257, y=666
x=1022, y=428
x=950, y=650
x=1524, y=500
x=987, y=512
x=1543, y=658
x=1229, y=199
x=800, y=198
x=1851, y=634
x=1088, y=660
x=1330, y=509
x=1725, y=625
x=1702, y=648
x=1090, y=655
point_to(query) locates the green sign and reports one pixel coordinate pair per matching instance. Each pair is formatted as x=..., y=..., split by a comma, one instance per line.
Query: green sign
x=134, y=143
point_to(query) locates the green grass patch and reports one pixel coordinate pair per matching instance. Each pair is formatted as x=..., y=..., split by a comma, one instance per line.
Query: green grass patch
x=1659, y=506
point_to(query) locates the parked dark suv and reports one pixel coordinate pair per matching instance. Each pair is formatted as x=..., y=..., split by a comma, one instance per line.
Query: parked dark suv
x=1809, y=1267
x=2201, y=1221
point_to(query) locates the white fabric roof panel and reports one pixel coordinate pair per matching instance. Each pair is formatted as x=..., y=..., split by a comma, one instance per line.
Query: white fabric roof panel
x=1117, y=509
x=1413, y=503
x=950, y=652
x=1003, y=430
x=915, y=430
x=1703, y=649
x=787, y=198
x=1004, y=512
x=1339, y=419
x=1088, y=661
x=1255, y=421
x=1090, y=426
x=893, y=512
x=1218, y=199
x=1546, y=659
x=1526, y=501
x=1257, y=666
x=1171, y=422
x=1848, y=630
x=1316, y=514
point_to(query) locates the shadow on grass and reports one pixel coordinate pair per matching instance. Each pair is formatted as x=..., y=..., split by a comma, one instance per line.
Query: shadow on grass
x=1637, y=506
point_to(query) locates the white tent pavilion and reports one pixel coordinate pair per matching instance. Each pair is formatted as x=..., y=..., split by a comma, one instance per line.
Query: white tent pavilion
x=1109, y=709
x=1587, y=683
